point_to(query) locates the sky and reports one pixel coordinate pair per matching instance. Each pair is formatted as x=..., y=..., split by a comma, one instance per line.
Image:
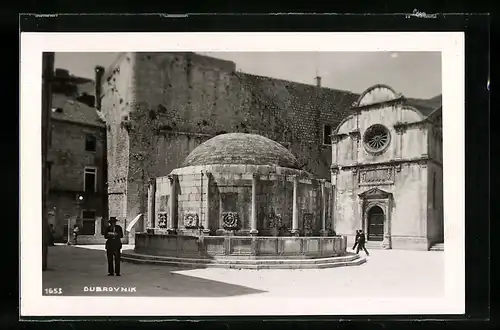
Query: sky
x=414, y=74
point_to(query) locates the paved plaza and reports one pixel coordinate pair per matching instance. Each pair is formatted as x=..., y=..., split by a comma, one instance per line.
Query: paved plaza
x=387, y=273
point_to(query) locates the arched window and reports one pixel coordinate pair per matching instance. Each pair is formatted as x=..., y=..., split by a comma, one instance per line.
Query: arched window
x=434, y=191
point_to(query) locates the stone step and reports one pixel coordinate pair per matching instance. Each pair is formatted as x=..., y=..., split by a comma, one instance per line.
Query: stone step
x=437, y=247
x=351, y=260
x=236, y=260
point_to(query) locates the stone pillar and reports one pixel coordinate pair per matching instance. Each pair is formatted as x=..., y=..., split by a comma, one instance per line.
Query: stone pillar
x=334, y=149
x=295, y=214
x=335, y=172
x=253, y=223
x=98, y=226
x=323, y=231
x=206, y=229
x=151, y=203
x=173, y=203
x=386, y=243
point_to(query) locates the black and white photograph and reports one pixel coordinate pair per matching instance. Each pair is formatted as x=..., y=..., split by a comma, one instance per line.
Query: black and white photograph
x=280, y=174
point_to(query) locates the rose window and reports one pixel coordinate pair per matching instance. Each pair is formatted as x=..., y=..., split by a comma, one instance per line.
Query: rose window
x=376, y=138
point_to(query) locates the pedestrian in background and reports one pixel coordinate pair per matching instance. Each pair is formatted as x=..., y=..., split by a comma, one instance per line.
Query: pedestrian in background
x=361, y=242
x=76, y=231
x=113, y=234
x=356, y=240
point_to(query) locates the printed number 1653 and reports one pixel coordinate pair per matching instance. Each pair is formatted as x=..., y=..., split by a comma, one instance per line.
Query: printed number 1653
x=53, y=291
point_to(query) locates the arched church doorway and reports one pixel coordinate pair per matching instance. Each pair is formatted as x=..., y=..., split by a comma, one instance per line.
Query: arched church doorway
x=375, y=224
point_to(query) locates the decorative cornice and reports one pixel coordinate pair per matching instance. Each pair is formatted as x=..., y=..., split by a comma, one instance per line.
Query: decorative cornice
x=375, y=193
x=401, y=127
x=387, y=163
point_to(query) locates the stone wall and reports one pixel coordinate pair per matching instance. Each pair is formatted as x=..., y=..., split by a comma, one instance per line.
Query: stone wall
x=411, y=144
x=408, y=212
x=117, y=104
x=213, y=247
x=68, y=159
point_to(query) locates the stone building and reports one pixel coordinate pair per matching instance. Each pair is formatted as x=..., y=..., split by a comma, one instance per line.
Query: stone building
x=77, y=159
x=387, y=171
x=240, y=184
x=160, y=106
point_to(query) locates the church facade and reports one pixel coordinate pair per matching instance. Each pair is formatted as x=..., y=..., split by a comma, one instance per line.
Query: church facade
x=387, y=172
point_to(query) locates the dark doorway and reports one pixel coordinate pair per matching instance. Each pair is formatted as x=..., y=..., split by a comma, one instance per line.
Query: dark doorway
x=375, y=224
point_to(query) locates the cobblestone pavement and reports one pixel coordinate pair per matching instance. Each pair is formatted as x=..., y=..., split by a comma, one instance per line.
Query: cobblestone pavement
x=387, y=273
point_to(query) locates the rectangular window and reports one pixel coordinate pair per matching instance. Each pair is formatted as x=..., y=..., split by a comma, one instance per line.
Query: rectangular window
x=88, y=223
x=90, y=142
x=90, y=179
x=327, y=131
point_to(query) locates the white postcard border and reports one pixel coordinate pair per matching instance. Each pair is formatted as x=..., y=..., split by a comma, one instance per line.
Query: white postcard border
x=451, y=44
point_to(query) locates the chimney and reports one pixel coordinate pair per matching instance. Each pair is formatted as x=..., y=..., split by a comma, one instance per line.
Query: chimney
x=99, y=72
x=318, y=81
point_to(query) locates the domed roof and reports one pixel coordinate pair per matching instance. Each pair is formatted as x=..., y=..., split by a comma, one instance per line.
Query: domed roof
x=241, y=148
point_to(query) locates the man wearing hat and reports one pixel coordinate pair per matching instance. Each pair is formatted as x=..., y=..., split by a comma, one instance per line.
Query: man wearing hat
x=113, y=235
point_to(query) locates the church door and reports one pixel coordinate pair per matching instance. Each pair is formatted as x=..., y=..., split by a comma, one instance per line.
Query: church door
x=375, y=224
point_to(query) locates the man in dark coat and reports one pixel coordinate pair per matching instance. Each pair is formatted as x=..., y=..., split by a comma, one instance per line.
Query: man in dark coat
x=361, y=242
x=113, y=235
x=356, y=240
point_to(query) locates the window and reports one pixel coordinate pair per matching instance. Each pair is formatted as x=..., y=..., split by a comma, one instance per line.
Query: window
x=90, y=179
x=376, y=138
x=88, y=223
x=327, y=131
x=90, y=142
x=434, y=191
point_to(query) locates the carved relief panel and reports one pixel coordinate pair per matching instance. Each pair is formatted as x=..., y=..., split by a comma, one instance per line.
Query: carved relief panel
x=191, y=220
x=162, y=220
x=376, y=176
x=230, y=220
x=275, y=220
x=308, y=219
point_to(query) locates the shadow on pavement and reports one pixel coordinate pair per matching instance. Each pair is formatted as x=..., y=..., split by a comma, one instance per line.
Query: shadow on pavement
x=77, y=271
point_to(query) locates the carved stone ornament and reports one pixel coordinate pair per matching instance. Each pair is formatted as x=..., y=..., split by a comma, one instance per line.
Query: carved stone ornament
x=162, y=220
x=422, y=163
x=275, y=221
x=308, y=219
x=355, y=134
x=171, y=178
x=191, y=220
x=338, y=137
x=400, y=128
x=230, y=220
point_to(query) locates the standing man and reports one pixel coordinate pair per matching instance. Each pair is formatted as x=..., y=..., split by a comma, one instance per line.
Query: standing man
x=361, y=242
x=113, y=234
